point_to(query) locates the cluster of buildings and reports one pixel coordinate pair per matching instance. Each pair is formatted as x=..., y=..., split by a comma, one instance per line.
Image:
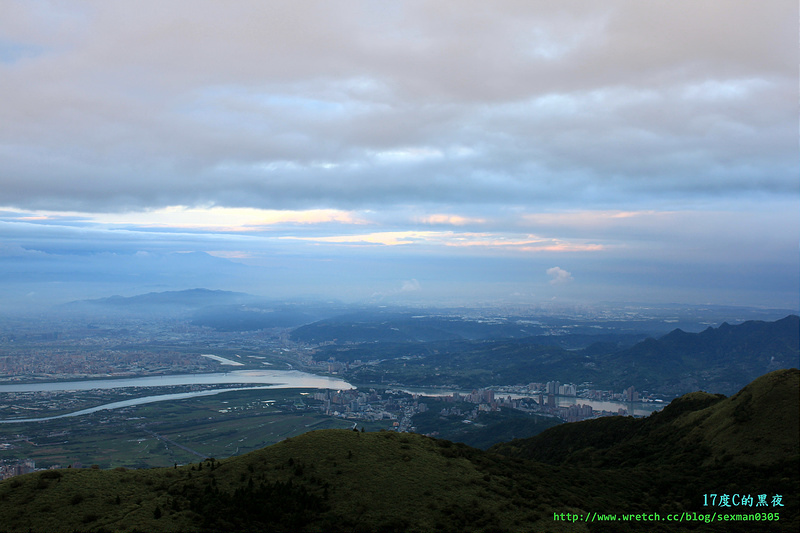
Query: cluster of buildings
x=399, y=406
x=61, y=362
x=368, y=406
x=567, y=389
x=556, y=388
x=120, y=348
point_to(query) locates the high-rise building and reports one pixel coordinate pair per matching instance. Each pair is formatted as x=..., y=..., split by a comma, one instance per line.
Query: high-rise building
x=552, y=387
x=567, y=390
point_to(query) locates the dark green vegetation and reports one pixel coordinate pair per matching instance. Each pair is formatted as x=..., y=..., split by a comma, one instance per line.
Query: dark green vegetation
x=489, y=428
x=342, y=480
x=720, y=359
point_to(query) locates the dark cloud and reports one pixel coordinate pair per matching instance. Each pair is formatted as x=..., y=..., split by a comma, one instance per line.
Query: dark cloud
x=151, y=104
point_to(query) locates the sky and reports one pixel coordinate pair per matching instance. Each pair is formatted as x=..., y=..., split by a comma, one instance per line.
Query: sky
x=402, y=152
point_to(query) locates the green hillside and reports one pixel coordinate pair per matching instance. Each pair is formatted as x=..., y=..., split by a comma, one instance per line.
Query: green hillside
x=330, y=480
x=341, y=480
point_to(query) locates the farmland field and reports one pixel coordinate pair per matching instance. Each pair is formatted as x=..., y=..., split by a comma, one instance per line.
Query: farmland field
x=165, y=433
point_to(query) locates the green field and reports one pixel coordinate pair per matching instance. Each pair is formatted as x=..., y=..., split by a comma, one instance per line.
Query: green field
x=165, y=433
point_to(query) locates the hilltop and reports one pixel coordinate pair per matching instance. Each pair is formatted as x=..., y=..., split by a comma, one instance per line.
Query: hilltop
x=340, y=480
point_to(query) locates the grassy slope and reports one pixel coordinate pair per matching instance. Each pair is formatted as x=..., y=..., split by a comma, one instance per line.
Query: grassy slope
x=332, y=480
x=742, y=428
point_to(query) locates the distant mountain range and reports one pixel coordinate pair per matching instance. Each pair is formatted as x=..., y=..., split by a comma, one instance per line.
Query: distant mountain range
x=218, y=309
x=192, y=299
x=675, y=464
x=718, y=360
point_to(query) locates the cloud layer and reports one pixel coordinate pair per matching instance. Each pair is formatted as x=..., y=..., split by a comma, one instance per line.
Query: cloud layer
x=598, y=136
x=111, y=106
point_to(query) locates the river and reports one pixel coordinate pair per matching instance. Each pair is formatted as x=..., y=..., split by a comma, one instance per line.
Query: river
x=633, y=408
x=267, y=379
x=284, y=379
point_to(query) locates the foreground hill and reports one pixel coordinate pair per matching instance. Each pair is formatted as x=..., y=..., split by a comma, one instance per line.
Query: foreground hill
x=338, y=480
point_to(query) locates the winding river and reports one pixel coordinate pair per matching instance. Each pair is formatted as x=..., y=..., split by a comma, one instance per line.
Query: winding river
x=260, y=379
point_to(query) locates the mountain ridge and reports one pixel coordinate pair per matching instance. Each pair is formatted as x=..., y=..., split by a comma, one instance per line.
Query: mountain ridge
x=723, y=358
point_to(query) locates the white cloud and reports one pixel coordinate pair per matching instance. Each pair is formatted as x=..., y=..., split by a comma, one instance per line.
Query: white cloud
x=559, y=276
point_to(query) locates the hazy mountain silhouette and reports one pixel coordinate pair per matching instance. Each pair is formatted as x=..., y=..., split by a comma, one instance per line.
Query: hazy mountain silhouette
x=191, y=298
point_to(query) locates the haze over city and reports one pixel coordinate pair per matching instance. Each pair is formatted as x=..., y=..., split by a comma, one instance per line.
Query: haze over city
x=404, y=152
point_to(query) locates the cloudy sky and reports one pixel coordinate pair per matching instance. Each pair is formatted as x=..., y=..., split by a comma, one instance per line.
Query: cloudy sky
x=432, y=151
